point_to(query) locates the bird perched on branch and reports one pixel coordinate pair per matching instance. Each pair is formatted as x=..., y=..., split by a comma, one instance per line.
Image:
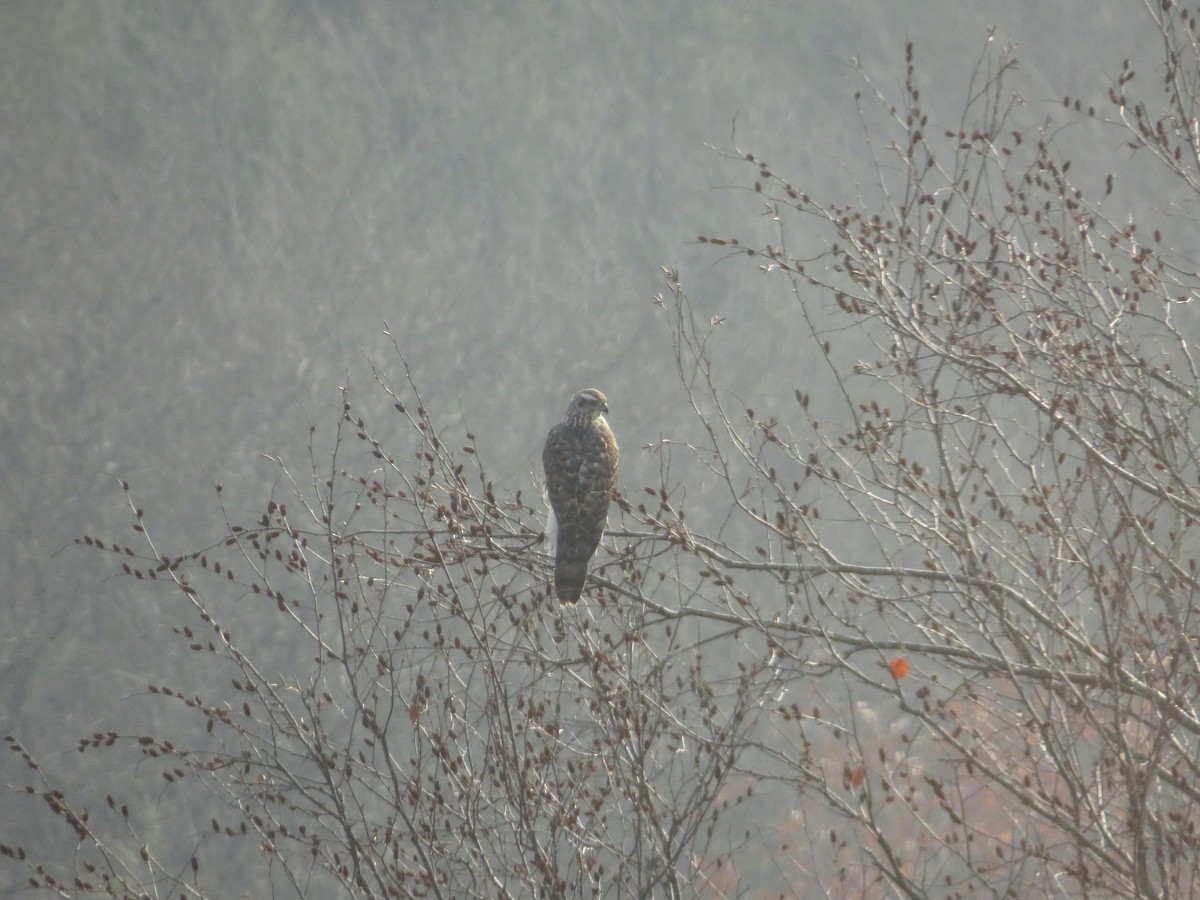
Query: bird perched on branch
x=580, y=462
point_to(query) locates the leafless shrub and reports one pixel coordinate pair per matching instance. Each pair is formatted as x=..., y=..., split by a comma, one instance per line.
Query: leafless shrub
x=455, y=732
x=1015, y=489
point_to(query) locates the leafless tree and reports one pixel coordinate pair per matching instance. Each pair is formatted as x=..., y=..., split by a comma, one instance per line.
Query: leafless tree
x=1018, y=461
x=937, y=638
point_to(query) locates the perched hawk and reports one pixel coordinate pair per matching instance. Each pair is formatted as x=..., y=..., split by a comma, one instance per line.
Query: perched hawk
x=580, y=460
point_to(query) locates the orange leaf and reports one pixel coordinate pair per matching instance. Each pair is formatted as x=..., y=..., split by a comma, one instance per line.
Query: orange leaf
x=899, y=667
x=857, y=776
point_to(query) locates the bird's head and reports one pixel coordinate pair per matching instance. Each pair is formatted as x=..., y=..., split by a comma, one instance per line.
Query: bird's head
x=587, y=404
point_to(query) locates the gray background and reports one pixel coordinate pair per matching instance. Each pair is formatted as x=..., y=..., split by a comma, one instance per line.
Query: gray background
x=208, y=211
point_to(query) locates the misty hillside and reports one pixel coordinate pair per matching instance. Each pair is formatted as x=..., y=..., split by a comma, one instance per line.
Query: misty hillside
x=215, y=215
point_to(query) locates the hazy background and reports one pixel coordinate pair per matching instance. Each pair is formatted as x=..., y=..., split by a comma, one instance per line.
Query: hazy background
x=208, y=211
